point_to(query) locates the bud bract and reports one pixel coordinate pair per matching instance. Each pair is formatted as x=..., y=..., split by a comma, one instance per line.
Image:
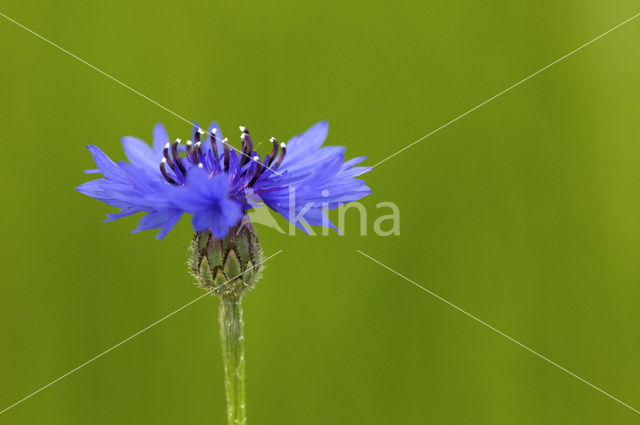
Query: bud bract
x=227, y=267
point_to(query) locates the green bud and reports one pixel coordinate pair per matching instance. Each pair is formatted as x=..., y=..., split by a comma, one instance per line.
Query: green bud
x=227, y=267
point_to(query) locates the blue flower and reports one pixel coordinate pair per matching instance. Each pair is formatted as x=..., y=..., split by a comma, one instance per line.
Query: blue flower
x=219, y=185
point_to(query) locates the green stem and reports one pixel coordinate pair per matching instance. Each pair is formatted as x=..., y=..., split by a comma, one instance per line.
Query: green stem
x=231, y=332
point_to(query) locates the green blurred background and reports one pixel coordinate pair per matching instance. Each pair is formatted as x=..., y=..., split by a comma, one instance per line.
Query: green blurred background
x=525, y=213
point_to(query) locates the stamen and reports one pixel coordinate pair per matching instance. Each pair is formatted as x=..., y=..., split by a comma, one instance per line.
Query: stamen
x=176, y=157
x=247, y=146
x=174, y=148
x=214, y=144
x=167, y=157
x=258, y=172
x=274, y=151
x=225, y=146
x=197, y=151
x=165, y=174
x=283, y=152
x=189, y=146
x=243, y=129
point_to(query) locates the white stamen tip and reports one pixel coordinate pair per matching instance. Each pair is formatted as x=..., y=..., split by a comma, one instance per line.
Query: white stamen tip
x=198, y=144
x=200, y=165
x=201, y=131
x=256, y=158
x=167, y=146
x=273, y=139
x=178, y=140
x=189, y=143
x=163, y=160
x=214, y=130
x=242, y=128
x=244, y=136
x=225, y=140
x=283, y=145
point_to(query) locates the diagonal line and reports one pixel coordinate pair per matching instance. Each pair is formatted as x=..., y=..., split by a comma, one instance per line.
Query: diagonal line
x=507, y=89
x=95, y=68
x=499, y=332
x=132, y=336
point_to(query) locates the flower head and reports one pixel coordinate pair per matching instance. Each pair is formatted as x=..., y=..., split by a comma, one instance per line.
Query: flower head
x=219, y=184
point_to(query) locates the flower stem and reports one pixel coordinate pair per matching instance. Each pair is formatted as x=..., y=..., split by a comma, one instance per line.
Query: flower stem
x=231, y=332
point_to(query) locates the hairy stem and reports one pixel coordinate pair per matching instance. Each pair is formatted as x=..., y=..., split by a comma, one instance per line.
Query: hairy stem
x=231, y=332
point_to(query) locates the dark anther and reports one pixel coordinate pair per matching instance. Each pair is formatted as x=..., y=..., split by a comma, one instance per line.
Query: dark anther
x=225, y=146
x=167, y=156
x=247, y=147
x=283, y=152
x=197, y=151
x=196, y=136
x=176, y=157
x=257, y=173
x=274, y=151
x=165, y=174
x=214, y=144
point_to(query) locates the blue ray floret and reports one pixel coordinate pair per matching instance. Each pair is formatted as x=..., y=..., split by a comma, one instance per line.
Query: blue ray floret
x=218, y=184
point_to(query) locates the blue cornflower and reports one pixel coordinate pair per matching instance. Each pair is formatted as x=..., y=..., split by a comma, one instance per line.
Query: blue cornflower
x=218, y=186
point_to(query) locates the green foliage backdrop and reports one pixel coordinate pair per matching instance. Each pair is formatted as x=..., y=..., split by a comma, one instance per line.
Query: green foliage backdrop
x=525, y=213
